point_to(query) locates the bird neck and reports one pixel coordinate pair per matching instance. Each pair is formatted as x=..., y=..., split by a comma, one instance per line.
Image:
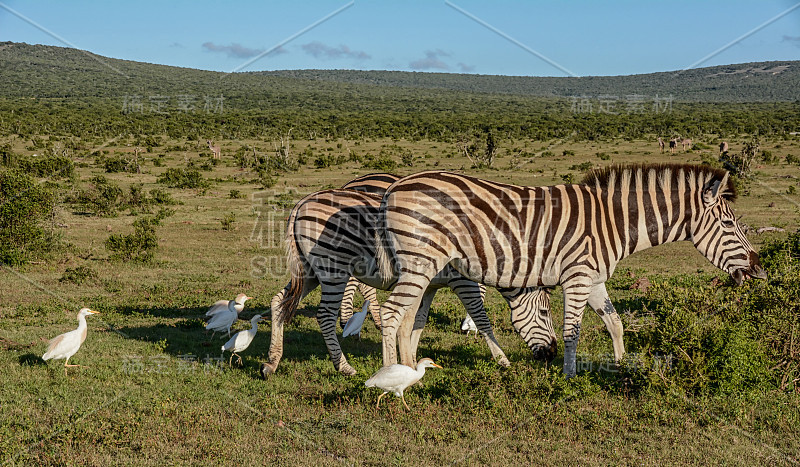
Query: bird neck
x=255, y=327
x=81, y=322
x=235, y=307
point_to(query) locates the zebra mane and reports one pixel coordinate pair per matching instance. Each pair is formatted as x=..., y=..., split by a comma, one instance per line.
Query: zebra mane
x=623, y=176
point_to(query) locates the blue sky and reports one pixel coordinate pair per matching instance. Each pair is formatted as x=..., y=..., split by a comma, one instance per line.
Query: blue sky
x=530, y=38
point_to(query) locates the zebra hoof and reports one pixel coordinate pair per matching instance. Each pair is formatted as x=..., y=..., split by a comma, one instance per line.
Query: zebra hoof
x=503, y=361
x=347, y=370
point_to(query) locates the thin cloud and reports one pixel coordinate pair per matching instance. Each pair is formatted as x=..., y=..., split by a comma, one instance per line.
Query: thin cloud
x=432, y=61
x=319, y=50
x=795, y=39
x=236, y=50
x=466, y=68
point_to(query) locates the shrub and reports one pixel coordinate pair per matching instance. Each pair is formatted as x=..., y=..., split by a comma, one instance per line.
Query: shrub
x=26, y=210
x=56, y=166
x=227, y=221
x=603, y=156
x=383, y=162
x=138, y=246
x=102, y=198
x=235, y=194
x=792, y=159
x=584, y=166
x=728, y=340
x=78, y=275
x=329, y=160
x=161, y=197
x=120, y=164
x=183, y=178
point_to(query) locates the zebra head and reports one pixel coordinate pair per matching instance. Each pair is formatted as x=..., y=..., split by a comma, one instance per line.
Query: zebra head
x=532, y=318
x=719, y=237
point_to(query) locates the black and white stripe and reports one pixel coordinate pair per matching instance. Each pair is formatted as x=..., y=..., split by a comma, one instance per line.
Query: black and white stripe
x=570, y=235
x=330, y=239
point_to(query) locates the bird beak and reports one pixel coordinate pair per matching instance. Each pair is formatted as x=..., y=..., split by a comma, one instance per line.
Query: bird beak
x=250, y=298
x=437, y=366
x=94, y=312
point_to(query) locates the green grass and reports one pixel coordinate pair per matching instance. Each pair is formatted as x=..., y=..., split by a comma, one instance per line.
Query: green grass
x=154, y=391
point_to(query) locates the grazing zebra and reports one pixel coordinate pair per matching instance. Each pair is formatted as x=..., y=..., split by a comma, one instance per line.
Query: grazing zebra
x=371, y=183
x=215, y=149
x=723, y=147
x=572, y=235
x=330, y=239
x=661, y=144
x=686, y=142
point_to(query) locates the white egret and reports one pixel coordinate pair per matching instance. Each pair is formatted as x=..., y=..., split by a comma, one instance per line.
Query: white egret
x=356, y=322
x=222, y=305
x=468, y=325
x=241, y=340
x=222, y=320
x=396, y=378
x=67, y=344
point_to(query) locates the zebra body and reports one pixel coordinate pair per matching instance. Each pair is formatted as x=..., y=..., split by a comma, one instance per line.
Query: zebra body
x=569, y=235
x=330, y=239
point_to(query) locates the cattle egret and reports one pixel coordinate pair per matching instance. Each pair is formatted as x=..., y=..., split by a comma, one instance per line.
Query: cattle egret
x=241, y=340
x=396, y=378
x=67, y=344
x=222, y=320
x=468, y=325
x=222, y=305
x=356, y=322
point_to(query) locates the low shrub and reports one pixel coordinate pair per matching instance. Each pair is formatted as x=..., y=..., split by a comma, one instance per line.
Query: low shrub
x=139, y=246
x=26, y=213
x=183, y=178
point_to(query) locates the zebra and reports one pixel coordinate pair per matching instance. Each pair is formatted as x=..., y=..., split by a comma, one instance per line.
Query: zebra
x=661, y=144
x=329, y=239
x=723, y=148
x=530, y=308
x=686, y=142
x=673, y=143
x=569, y=235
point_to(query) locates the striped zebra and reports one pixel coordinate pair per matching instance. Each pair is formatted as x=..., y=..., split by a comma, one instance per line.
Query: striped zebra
x=569, y=235
x=330, y=239
x=530, y=308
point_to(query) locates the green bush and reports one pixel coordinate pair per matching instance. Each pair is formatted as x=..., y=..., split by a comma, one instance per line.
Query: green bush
x=727, y=340
x=26, y=213
x=183, y=178
x=120, y=164
x=48, y=166
x=227, y=221
x=161, y=197
x=78, y=275
x=102, y=198
x=383, y=163
x=138, y=246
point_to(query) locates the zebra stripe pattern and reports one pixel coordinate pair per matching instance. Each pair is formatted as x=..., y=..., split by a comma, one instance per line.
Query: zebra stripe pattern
x=329, y=240
x=569, y=235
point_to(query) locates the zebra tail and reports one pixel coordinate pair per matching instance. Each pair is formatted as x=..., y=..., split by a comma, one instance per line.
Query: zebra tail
x=383, y=252
x=294, y=292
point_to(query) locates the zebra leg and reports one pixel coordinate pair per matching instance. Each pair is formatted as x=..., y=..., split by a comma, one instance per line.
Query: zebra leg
x=326, y=317
x=532, y=318
x=278, y=320
x=601, y=303
x=576, y=296
x=472, y=296
x=405, y=297
x=420, y=319
x=371, y=294
x=346, y=309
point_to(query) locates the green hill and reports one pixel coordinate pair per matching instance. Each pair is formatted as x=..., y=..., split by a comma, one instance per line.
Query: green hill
x=46, y=71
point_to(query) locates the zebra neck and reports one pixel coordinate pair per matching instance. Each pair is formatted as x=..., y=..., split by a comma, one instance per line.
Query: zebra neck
x=644, y=219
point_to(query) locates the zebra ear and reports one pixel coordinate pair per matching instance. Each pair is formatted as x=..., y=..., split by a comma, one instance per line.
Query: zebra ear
x=714, y=188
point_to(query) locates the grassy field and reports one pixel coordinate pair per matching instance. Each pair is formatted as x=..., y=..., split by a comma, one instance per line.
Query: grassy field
x=156, y=389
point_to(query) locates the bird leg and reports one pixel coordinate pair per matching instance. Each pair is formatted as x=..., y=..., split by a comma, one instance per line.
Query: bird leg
x=240, y=359
x=378, y=405
x=402, y=398
x=230, y=359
